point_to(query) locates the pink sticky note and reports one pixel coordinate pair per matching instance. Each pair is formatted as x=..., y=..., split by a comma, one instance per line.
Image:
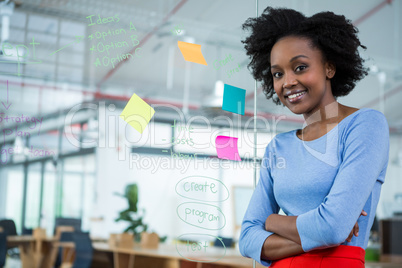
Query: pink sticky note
x=226, y=147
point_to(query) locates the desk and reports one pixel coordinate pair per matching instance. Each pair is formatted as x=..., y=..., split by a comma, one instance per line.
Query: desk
x=390, y=237
x=167, y=256
x=37, y=252
x=34, y=252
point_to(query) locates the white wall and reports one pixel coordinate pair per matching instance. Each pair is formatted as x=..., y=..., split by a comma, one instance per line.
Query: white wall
x=3, y=191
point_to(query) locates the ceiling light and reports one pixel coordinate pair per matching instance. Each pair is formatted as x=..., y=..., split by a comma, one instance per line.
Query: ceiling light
x=189, y=39
x=382, y=77
x=373, y=68
x=219, y=86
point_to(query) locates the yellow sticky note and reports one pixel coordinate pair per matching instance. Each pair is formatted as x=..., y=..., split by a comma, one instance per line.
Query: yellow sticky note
x=137, y=113
x=191, y=52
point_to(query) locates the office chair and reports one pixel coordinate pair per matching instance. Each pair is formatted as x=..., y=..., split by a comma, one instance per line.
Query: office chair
x=375, y=227
x=27, y=231
x=3, y=248
x=83, y=250
x=8, y=227
x=228, y=242
x=76, y=223
x=64, y=237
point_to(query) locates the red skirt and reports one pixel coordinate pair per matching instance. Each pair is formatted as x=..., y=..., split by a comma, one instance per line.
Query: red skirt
x=335, y=257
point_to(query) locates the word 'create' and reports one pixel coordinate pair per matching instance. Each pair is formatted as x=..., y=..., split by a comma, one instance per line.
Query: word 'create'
x=221, y=63
x=199, y=187
x=202, y=188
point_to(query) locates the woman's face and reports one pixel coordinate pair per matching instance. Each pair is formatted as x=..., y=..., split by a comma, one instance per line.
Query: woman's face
x=297, y=67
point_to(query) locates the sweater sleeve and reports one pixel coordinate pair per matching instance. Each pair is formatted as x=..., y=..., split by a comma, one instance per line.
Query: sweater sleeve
x=365, y=157
x=262, y=204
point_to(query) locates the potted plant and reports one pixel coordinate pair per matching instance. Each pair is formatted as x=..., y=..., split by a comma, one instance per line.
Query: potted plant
x=132, y=214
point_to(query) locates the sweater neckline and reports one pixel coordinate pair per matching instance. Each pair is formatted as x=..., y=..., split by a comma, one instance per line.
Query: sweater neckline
x=332, y=130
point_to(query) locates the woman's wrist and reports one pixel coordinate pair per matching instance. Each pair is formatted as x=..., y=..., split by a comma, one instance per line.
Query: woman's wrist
x=277, y=247
x=268, y=221
x=284, y=226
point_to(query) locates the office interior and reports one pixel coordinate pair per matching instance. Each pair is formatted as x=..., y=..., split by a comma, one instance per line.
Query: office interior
x=68, y=69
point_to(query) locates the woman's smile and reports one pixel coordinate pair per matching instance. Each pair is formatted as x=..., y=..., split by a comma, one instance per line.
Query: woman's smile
x=295, y=98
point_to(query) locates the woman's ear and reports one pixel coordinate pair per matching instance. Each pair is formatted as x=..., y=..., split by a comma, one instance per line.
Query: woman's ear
x=330, y=70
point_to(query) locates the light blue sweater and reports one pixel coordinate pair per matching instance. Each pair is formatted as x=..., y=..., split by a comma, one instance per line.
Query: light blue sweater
x=326, y=182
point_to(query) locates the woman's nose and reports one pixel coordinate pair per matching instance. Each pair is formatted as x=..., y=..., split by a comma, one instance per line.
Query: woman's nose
x=289, y=81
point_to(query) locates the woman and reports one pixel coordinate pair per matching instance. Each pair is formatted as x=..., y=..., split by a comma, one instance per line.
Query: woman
x=333, y=168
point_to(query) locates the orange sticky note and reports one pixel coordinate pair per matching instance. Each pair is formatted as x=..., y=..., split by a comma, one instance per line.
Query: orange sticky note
x=137, y=113
x=191, y=52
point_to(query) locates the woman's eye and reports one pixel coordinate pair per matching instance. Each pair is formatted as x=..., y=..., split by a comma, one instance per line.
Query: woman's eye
x=300, y=68
x=276, y=75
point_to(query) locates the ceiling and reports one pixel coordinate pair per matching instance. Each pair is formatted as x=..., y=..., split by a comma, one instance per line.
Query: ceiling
x=60, y=71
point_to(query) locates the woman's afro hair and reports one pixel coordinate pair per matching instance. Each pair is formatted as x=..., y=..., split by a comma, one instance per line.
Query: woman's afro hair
x=334, y=35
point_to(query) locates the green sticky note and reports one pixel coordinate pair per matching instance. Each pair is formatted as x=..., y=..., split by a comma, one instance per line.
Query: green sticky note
x=233, y=99
x=137, y=113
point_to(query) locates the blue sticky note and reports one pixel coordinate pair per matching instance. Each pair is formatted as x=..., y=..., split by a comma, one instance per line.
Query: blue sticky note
x=233, y=99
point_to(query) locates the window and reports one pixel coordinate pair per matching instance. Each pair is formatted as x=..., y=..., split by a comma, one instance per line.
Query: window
x=14, y=177
x=32, y=214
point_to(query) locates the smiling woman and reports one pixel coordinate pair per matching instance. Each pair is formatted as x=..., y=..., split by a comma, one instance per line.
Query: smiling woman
x=301, y=76
x=308, y=62
x=332, y=35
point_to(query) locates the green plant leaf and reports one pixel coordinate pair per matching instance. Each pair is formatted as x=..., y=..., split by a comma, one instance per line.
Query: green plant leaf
x=132, y=215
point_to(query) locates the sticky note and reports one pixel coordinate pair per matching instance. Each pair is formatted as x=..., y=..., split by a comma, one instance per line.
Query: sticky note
x=226, y=147
x=191, y=52
x=233, y=99
x=137, y=113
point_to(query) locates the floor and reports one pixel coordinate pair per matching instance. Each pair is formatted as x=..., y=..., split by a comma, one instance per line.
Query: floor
x=383, y=265
x=12, y=263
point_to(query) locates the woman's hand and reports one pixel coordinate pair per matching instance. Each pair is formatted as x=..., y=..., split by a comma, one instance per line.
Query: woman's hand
x=355, y=229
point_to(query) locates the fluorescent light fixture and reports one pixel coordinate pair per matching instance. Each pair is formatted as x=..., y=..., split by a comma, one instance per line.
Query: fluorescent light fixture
x=382, y=77
x=373, y=68
x=189, y=39
x=219, y=86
